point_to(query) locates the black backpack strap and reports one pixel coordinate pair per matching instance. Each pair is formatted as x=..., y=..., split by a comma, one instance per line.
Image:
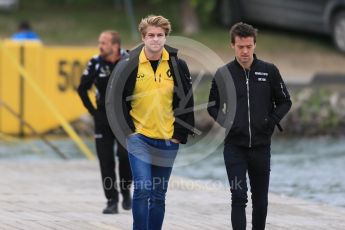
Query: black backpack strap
x=180, y=91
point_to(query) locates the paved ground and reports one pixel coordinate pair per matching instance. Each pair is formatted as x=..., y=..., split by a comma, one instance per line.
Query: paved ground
x=57, y=194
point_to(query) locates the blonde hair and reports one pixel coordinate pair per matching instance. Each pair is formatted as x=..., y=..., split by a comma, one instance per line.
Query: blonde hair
x=154, y=20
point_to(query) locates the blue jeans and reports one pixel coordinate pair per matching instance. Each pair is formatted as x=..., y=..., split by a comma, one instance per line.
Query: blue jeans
x=151, y=163
x=256, y=162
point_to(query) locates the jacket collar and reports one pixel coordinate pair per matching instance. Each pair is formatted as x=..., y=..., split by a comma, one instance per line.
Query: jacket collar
x=172, y=51
x=255, y=60
x=143, y=58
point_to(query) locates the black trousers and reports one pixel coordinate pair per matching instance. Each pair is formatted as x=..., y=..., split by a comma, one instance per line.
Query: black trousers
x=256, y=161
x=105, y=141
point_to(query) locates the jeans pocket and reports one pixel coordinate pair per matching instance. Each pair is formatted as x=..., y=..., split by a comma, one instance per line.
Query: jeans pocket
x=130, y=139
x=132, y=135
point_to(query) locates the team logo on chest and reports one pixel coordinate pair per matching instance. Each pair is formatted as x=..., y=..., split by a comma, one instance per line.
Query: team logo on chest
x=169, y=73
x=140, y=76
x=262, y=76
x=104, y=71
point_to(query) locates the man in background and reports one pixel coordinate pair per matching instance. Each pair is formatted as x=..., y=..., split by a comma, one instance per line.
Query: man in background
x=25, y=32
x=97, y=73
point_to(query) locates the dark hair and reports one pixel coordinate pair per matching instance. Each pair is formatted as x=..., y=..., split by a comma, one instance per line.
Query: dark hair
x=115, y=36
x=242, y=30
x=24, y=25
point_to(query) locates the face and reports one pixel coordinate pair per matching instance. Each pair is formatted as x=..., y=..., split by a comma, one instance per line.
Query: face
x=106, y=48
x=154, y=39
x=244, y=50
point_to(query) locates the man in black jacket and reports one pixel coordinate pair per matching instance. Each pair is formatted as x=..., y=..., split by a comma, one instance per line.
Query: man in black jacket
x=98, y=73
x=262, y=100
x=154, y=89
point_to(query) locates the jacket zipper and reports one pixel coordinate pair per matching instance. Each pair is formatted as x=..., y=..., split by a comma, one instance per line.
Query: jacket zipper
x=249, y=128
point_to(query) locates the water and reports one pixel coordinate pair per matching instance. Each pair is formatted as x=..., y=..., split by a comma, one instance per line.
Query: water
x=308, y=168
x=35, y=149
x=311, y=169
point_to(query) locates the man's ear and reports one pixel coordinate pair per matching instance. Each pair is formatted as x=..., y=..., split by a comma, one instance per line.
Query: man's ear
x=117, y=46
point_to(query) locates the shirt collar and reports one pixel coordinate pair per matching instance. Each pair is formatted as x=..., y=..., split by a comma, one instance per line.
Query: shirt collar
x=143, y=58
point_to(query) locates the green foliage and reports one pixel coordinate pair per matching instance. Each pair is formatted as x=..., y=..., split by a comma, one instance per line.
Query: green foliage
x=204, y=10
x=155, y=1
x=315, y=114
x=66, y=2
x=58, y=24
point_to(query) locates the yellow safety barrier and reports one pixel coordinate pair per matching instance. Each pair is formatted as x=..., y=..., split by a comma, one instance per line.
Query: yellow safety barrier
x=51, y=76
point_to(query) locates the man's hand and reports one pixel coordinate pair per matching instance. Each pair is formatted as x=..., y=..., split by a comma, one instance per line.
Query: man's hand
x=175, y=141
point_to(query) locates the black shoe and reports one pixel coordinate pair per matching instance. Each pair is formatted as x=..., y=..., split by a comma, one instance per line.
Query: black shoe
x=111, y=207
x=127, y=202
